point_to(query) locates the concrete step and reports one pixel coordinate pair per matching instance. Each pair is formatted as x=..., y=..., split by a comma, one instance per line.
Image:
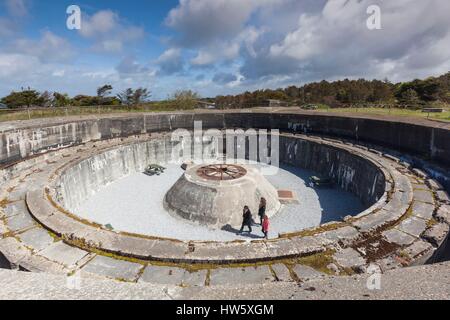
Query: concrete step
x=433, y=281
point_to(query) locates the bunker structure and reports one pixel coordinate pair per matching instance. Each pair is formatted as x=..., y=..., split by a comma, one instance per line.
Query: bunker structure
x=215, y=195
x=398, y=168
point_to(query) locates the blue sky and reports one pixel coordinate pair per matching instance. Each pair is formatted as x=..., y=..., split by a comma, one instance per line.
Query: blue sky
x=217, y=46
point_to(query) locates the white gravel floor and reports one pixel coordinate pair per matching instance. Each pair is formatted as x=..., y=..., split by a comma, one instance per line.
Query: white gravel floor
x=135, y=204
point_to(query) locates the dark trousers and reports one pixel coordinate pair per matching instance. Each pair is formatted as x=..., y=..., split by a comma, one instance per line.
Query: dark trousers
x=248, y=224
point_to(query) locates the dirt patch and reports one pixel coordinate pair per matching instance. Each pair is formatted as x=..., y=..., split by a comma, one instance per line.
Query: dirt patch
x=375, y=248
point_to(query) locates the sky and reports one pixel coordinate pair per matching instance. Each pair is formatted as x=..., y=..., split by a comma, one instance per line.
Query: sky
x=217, y=47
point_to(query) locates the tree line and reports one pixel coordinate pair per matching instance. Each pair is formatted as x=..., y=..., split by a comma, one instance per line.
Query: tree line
x=27, y=98
x=414, y=94
x=343, y=93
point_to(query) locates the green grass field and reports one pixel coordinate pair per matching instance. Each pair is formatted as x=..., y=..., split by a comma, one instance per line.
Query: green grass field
x=12, y=115
x=444, y=116
x=9, y=115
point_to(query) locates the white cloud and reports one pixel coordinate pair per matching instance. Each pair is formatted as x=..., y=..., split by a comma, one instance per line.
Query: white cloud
x=22, y=70
x=14, y=64
x=100, y=23
x=213, y=54
x=108, y=32
x=7, y=27
x=334, y=42
x=170, y=62
x=201, y=22
x=17, y=8
x=49, y=48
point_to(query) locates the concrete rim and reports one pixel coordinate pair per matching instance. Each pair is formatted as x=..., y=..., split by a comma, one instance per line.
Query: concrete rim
x=89, y=235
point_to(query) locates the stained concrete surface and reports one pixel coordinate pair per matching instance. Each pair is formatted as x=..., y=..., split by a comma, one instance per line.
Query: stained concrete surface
x=113, y=268
x=173, y=276
x=423, y=282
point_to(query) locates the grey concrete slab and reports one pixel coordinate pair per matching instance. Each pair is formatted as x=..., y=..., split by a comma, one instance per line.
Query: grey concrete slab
x=443, y=196
x=374, y=221
x=249, y=275
x=423, y=210
x=349, y=258
x=419, y=173
x=389, y=263
x=36, y=239
x=443, y=214
x=413, y=226
x=282, y=272
x=173, y=276
x=398, y=237
x=306, y=273
x=420, y=186
x=113, y=268
x=345, y=234
x=437, y=234
x=63, y=253
x=3, y=228
x=19, y=222
x=434, y=184
x=417, y=249
x=195, y=278
x=13, y=250
x=423, y=196
x=15, y=208
x=18, y=193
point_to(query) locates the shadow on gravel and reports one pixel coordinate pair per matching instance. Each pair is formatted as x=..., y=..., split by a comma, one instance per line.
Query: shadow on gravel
x=245, y=234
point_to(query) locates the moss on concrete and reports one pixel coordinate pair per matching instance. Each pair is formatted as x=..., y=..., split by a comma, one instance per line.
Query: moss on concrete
x=4, y=203
x=319, y=261
x=314, y=231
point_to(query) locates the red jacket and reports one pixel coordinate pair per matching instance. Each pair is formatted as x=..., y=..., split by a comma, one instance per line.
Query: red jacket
x=266, y=225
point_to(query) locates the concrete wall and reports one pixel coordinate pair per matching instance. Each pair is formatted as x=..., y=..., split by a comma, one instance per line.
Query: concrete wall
x=352, y=173
x=432, y=143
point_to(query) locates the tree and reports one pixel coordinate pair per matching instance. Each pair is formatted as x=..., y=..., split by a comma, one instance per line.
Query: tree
x=60, y=100
x=85, y=101
x=46, y=99
x=24, y=98
x=410, y=97
x=141, y=95
x=103, y=92
x=126, y=97
x=131, y=97
x=185, y=99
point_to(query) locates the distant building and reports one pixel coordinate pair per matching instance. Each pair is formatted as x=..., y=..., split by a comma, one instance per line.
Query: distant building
x=274, y=103
x=3, y=106
x=206, y=105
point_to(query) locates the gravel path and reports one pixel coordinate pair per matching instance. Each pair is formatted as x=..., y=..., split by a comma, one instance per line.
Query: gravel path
x=135, y=204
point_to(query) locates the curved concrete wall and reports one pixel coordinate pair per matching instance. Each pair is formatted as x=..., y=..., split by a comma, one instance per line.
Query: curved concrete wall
x=432, y=142
x=352, y=173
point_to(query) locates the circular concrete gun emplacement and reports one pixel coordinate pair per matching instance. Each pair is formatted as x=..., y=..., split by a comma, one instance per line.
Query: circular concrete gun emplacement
x=215, y=195
x=74, y=199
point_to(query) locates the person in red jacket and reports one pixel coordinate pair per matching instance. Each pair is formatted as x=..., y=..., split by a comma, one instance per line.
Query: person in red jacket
x=265, y=226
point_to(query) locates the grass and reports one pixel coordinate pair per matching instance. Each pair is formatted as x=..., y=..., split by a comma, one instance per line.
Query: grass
x=444, y=116
x=319, y=261
x=12, y=115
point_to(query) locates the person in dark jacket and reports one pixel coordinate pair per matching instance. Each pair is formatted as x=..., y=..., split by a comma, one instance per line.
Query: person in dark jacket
x=247, y=219
x=262, y=209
